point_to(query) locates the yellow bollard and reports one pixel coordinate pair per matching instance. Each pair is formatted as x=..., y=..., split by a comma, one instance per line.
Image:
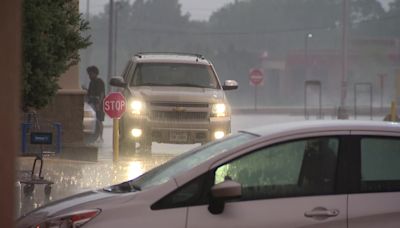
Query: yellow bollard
x=115, y=139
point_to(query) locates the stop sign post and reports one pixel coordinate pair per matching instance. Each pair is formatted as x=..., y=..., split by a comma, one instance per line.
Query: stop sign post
x=114, y=105
x=256, y=77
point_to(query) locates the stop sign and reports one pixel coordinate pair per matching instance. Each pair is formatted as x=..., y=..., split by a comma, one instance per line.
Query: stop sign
x=114, y=104
x=256, y=76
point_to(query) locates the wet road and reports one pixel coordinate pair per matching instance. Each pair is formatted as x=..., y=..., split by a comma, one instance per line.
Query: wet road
x=71, y=177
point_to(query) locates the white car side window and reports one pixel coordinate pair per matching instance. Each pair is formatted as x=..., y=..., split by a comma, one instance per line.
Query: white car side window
x=297, y=168
x=380, y=164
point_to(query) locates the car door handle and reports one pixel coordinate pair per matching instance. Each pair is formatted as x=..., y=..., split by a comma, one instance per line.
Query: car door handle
x=321, y=213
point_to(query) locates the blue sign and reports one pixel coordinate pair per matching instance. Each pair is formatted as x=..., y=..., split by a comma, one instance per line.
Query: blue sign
x=41, y=138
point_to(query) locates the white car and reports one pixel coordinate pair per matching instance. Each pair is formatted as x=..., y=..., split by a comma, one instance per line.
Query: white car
x=90, y=128
x=89, y=119
x=305, y=174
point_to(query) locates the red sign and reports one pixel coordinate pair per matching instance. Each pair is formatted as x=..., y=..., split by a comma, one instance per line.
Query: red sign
x=114, y=104
x=256, y=76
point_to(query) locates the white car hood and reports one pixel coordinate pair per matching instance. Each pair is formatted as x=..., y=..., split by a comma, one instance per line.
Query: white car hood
x=85, y=200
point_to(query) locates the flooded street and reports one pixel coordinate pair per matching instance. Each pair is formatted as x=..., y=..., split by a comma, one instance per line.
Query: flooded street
x=71, y=177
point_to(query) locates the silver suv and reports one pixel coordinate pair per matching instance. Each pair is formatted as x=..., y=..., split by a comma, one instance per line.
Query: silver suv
x=172, y=98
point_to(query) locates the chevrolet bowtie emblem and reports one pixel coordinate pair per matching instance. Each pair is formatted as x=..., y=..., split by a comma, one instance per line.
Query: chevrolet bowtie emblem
x=179, y=109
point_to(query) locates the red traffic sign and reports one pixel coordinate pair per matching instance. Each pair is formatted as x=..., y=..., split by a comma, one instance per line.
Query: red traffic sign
x=114, y=105
x=256, y=76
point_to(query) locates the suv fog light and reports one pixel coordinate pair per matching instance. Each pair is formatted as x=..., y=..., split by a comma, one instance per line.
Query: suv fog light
x=136, y=132
x=219, y=134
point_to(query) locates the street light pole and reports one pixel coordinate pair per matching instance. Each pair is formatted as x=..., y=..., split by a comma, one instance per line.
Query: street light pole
x=110, y=41
x=308, y=36
x=117, y=8
x=342, y=113
x=87, y=8
x=88, y=51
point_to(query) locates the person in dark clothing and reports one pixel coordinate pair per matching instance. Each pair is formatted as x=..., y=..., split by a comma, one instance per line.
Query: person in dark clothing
x=95, y=95
x=318, y=170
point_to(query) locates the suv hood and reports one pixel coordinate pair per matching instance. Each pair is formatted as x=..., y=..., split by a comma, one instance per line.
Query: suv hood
x=178, y=94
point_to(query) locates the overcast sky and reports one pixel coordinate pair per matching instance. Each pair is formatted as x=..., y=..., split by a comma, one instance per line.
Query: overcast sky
x=198, y=9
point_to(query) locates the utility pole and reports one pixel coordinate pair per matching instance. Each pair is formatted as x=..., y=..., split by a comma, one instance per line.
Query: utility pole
x=110, y=42
x=117, y=8
x=342, y=113
x=88, y=49
x=87, y=9
x=381, y=85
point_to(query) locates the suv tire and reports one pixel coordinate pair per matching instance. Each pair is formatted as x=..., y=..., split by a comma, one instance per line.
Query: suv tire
x=145, y=145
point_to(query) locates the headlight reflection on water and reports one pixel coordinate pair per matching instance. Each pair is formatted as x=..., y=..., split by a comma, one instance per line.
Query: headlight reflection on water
x=135, y=169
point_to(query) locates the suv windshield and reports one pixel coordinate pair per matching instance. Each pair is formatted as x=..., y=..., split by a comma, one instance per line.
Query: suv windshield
x=174, y=74
x=182, y=163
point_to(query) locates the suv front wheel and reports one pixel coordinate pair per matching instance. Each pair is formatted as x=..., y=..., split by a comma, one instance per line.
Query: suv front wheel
x=145, y=145
x=126, y=145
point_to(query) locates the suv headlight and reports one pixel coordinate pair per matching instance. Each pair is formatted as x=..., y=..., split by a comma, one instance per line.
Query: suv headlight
x=136, y=107
x=219, y=110
x=75, y=219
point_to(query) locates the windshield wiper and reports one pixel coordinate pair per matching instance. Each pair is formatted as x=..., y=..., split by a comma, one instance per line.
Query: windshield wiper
x=123, y=187
x=135, y=187
x=150, y=84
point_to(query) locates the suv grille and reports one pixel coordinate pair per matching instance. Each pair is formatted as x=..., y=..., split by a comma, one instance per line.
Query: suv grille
x=178, y=116
x=192, y=105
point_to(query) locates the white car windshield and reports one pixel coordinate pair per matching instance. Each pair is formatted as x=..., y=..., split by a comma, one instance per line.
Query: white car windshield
x=182, y=163
x=174, y=74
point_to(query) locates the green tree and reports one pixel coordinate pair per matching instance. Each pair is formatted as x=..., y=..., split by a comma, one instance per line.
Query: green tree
x=143, y=25
x=366, y=10
x=51, y=40
x=168, y=12
x=392, y=19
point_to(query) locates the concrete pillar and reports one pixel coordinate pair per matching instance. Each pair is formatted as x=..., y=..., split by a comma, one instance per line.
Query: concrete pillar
x=10, y=65
x=70, y=80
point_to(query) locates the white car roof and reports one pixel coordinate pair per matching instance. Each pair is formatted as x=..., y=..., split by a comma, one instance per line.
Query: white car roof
x=170, y=58
x=324, y=125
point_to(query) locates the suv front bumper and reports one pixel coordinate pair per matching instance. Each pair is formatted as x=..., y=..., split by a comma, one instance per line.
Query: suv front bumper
x=178, y=132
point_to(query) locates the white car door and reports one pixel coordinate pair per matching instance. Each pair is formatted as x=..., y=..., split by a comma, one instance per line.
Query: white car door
x=290, y=184
x=376, y=202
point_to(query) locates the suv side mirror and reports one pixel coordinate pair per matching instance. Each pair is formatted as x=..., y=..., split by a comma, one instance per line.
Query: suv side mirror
x=230, y=85
x=118, y=82
x=221, y=192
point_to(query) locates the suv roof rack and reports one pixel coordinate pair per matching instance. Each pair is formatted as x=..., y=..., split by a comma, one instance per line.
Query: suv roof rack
x=140, y=54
